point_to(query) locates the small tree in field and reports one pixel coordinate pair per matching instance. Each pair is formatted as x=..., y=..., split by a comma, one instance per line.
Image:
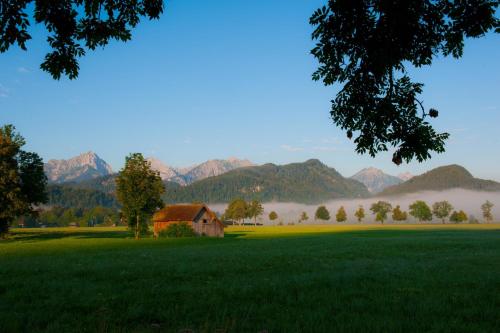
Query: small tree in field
x=237, y=210
x=322, y=213
x=442, y=210
x=398, y=214
x=255, y=210
x=139, y=189
x=303, y=217
x=273, y=216
x=486, y=208
x=341, y=215
x=458, y=217
x=421, y=211
x=360, y=214
x=380, y=209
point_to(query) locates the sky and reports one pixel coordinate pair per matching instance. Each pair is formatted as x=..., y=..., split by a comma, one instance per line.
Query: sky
x=222, y=78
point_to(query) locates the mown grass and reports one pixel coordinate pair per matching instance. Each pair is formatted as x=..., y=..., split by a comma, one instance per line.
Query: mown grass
x=263, y=279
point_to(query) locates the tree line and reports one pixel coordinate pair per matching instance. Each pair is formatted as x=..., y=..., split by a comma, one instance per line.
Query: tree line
x=419, y=209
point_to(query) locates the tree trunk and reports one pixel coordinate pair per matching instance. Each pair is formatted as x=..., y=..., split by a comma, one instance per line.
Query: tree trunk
x=255, y=221
x=137, y=227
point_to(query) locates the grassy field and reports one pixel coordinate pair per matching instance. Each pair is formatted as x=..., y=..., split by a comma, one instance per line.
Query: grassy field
x=265, y=279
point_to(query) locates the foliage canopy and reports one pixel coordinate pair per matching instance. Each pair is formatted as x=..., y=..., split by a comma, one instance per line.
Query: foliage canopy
x=398, y=214
x=73, y=25
x=442, y=209
x=380, y=209
x=341, y=215
x=367, y=45
x=139, y=190
x=322, y=213
x=421, y=211
x=22, y=179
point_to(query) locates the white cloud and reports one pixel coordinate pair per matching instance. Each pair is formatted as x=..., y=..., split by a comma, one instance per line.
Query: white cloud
x=291, y=148
x=187, y=140
x=23, y=70
x=4, y=91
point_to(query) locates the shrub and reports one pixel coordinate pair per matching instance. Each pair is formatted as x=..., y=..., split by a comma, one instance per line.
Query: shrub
x=177, y=230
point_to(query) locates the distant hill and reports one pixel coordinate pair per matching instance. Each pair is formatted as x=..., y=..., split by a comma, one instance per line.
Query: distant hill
x=80, y=168
x=309, y=182
x=443, y=178
x=70, y=196
x=375, y=179
x=90, y=193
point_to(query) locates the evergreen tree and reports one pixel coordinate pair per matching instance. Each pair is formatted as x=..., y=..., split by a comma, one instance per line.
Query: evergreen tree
x=486, y=208
x=322, y=213
x=22, y=179
x=398, y=214
x=341, y=215
x=442, y=210
x=360, y=213
x=421, y=211
x=380, y=209
x=139, y=189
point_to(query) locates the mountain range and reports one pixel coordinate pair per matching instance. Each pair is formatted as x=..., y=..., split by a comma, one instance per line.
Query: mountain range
x=88, y=166
x=376, y=180
x=309, y=182
x=83, y=167
x=87, y=180
x=210, y=168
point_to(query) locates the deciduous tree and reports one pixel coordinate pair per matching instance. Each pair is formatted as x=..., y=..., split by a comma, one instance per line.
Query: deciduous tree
x=237, y=210
x=398, y=214
x=139, y=189
x=74, y=26
x=273, y=216
x=442, y=210
x=380, y=209
x=303, y=217
x=421, y=211
x=486, y=208
x=458, y=217
x=255, y=209
x=22, y=179
x=360, y=213
x=367, y=47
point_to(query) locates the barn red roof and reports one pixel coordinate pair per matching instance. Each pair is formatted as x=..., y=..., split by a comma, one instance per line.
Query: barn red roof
x=180, y=213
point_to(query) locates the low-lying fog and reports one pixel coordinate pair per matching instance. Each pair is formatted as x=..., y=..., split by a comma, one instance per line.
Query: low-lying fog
x=468, y=201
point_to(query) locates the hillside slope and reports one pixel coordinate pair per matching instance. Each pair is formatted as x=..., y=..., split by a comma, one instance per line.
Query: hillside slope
x=443, y=178
x=309, y=182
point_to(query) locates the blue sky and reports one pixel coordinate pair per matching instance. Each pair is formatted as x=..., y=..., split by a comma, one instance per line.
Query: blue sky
x=221, y=78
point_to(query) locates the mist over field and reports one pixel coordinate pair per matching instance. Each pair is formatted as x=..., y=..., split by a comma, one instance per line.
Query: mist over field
x=469, y=201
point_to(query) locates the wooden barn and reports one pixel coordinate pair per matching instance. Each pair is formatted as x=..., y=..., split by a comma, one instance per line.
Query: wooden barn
x=203, y=221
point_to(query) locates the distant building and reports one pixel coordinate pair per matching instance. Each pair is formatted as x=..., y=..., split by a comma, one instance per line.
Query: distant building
x=203, y=221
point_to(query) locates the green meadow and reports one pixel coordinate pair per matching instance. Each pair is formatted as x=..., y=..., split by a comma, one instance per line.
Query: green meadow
x=439, y=278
